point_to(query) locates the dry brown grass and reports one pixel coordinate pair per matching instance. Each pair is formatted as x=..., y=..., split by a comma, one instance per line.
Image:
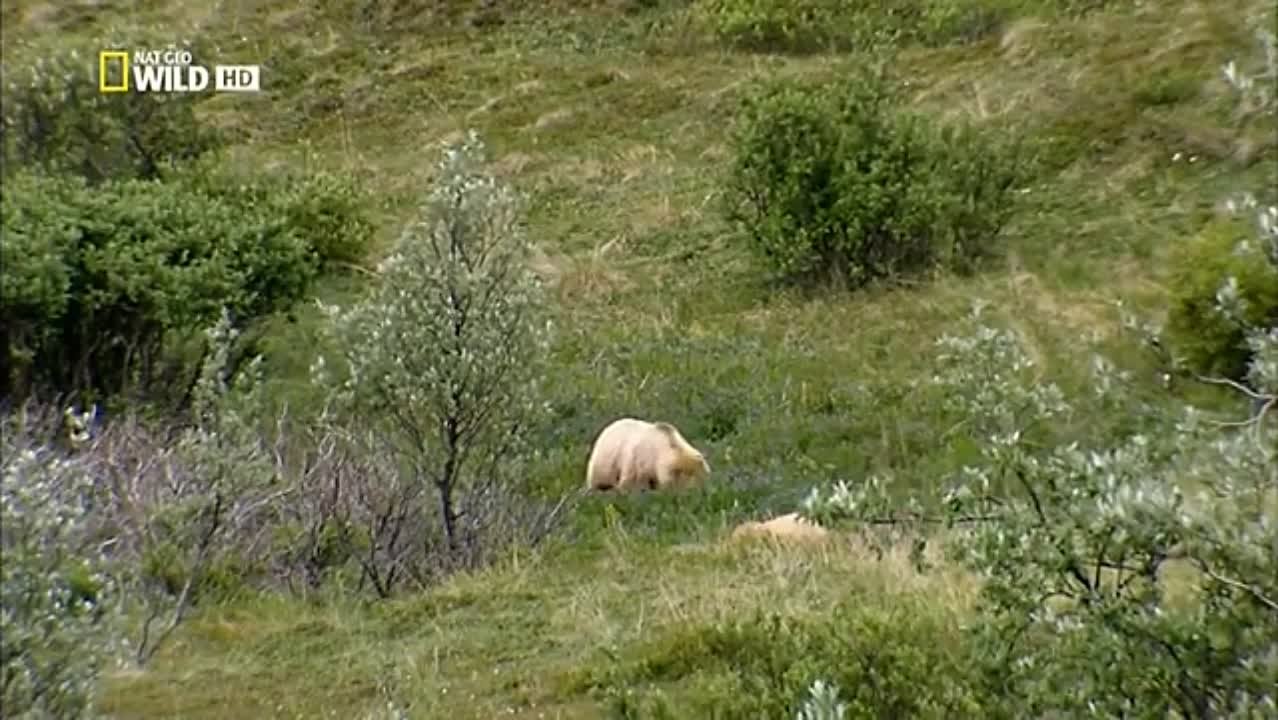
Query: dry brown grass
x=590, y=277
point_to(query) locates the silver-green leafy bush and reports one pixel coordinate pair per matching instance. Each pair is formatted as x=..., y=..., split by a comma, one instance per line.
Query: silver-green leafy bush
x=182, y=507
x=822, y=703
x=441, y=367
x=1137, y=577
x=1256, y=96
x=1226, y=282
x=59, y=603
x=105, y=524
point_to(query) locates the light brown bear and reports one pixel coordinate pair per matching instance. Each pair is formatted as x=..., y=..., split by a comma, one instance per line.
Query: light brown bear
x=789, y=527
x=633, y=454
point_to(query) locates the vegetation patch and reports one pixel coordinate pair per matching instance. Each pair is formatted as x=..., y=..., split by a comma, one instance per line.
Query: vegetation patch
x=996, y=319
x=837, y=182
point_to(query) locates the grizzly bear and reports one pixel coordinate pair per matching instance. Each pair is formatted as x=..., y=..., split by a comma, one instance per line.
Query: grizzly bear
x=788, y=527
x=633, y=454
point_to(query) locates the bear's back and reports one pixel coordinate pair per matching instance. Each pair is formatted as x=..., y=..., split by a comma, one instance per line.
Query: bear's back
x=603, y=468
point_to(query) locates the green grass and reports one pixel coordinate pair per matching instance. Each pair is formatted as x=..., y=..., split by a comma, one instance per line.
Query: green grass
x=612, y=122
x=525, y=639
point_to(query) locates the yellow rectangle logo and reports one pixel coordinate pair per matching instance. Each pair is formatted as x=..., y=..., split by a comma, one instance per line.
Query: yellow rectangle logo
x=106, y=56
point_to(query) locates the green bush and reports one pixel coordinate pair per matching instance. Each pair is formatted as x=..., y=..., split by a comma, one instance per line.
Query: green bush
x=815, y=25
x=101, y=280
x=328, y=210
x=56, y=120
x=837, y=183
x=1213, y=340
x=773, y=25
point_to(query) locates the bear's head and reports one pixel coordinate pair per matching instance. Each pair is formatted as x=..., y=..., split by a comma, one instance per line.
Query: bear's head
x=702, y=470
x=687, y=465
x=692, y=468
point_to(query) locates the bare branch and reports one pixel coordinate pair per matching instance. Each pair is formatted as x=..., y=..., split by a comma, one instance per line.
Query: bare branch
x=1251, y=590
x=1233, y=384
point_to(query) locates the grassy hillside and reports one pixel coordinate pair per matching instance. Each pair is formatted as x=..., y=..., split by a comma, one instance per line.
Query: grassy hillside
x=612, y=117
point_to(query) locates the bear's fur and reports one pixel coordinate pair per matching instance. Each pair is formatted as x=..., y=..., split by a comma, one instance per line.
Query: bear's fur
x=633, y=454
x=789, y=527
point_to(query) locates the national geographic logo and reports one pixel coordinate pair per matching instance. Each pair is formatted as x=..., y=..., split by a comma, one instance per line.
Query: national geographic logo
x=170, y=71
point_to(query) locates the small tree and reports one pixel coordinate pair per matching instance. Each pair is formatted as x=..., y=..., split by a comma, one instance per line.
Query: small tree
x=443, y=357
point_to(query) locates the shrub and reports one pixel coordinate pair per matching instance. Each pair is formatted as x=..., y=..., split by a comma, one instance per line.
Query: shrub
x=773, y=25
x=201, y=528
x=1076, y=546
x=815, y=25
x=822, y=703
x=1225, y=282
x=837, y=183
x=1253, y=81
x=55, y=120
x=328, y=210
x=58, y=600
x=1225, y=264
x=181, y=512
x=100, y=282
x=441, y=365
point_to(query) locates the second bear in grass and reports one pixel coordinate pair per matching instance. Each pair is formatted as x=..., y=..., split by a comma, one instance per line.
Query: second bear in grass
x=633, y=454
x=791, y=527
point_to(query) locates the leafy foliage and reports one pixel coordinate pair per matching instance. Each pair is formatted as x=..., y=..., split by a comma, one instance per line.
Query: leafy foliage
x=822, y=703
x=836, y=182
x=1254, y=81
x=55, y=120
x=1225, y=283
x=329, y=210
x=1212, y=338
x=840, y=25
x=770, y=25
x=59, y=604
x=100, y=281
x=442, y=361
x=1076, y=547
